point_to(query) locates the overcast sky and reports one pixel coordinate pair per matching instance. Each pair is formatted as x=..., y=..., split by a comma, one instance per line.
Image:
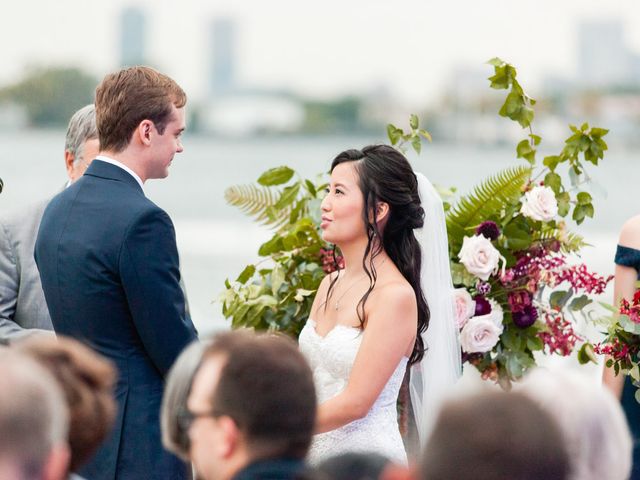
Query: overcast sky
x=322, y=48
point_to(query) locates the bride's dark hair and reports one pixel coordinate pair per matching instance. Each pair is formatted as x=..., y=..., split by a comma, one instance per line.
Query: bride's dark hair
x=384, y=175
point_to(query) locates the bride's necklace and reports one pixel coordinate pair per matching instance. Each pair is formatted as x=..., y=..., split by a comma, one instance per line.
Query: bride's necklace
x=336, y=304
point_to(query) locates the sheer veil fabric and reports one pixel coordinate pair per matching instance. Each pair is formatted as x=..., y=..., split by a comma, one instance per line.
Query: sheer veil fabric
x=433, y=377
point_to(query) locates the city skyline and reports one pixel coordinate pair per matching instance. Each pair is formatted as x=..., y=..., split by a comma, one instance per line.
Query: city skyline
x=409, y=48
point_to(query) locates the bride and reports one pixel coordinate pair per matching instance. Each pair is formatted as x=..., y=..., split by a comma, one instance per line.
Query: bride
x=368, y=320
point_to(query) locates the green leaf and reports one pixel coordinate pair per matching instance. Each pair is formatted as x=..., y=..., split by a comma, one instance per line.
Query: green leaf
x=425, y=134
x=553, y=181
x=277, y=278
x=564, y=204
x=535, y=138
x=583, y=198
x=289, y=194
x=496, y=62
x=311, y=188
x=586, y=354
x=517, y=238
x=487, y=200
x=276, y=176
x=551, y=162
x=526, y=151
x=413, y=121
x=579, y=303
x=416, y=144
x=246, y=274
x=628, y=325
x=559, y=298
x=579, y=213
x=394, y=133
x=535, y=344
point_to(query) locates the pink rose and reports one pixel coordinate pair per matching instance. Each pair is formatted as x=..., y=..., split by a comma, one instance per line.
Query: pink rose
x=480, y=334
x=465, y=307
x=479, y=256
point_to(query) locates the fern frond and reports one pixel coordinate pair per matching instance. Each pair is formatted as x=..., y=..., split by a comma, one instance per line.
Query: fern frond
x=488, y=200
x=571, y=242
x=258, y=202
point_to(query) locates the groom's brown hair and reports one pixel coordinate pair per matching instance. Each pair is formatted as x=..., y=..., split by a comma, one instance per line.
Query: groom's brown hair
x=129, y=96
x=266, y=387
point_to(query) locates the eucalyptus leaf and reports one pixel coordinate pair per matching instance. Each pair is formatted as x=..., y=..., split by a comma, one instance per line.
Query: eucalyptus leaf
x=246, y=274
x=276, y=176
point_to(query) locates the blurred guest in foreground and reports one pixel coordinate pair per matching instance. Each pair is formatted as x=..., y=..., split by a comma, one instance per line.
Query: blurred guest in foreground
x=33, y=421
x=591, y=419
x=174, y=400
x=361, y=466
x=87, y=382
x=23, y=310
x=251, y=410
x=495, y=436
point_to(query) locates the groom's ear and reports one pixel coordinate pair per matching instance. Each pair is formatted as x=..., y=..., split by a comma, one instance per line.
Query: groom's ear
x=144, y=131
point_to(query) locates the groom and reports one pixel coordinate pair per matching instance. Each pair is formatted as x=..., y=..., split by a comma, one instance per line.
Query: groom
x=109, y=265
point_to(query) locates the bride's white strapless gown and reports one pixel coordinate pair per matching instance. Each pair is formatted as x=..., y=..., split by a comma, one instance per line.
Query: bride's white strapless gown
x=331, y=358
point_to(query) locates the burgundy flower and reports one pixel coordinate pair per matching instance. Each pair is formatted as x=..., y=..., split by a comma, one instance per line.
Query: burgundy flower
x=526, y=317
x=483, y=288
x=483, y=307
x=489, y=229
x=519, y=300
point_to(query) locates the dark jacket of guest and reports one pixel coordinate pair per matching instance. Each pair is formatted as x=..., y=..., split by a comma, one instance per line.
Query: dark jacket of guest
x=109, y=267
x=276, y=469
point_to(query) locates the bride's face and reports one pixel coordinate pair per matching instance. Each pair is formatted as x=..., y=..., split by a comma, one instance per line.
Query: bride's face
x=342, y=206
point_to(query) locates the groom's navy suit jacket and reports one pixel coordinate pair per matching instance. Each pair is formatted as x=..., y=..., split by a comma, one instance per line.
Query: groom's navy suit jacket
x=109, y=268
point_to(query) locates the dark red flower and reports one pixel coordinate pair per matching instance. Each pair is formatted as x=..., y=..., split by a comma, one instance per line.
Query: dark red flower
x=483, y=307
x=525, y=317
x=489, y=229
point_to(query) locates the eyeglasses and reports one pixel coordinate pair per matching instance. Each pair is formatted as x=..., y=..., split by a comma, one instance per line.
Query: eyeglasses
x=186, y=417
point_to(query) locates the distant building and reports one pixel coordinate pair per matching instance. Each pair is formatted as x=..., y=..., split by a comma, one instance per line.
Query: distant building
x=133, y=32
x=603, y=57
x=222, y=57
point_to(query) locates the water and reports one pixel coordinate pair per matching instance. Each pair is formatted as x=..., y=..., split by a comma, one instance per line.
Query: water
x=216, y=241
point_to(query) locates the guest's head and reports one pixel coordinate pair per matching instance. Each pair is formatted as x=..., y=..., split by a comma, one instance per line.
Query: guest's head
x=494, y=436
x=81, y=144
x=87, y=382
x=174, y=400
x=33, y=421
x=252, y=399
x=361, y=466
x=373, y=200
x=140, y=117
x=591, y=419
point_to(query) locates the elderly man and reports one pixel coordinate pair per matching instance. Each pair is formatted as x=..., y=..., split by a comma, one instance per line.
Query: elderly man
x=33, y=421
x=23, y=309
x=251, y=410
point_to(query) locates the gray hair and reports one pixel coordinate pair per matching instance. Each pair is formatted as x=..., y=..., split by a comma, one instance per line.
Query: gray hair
x=175, y=397
x=33, y=413
x=592, y=421
x=82, y=127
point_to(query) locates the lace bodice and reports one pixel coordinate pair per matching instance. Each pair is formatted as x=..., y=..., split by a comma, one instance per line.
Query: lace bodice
x=331, y=358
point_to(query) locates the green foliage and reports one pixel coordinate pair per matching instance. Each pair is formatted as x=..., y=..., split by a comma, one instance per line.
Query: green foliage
x=399, y=138
x=517, y=106
x=486, y=202
x=51, y=95
x=278, y=293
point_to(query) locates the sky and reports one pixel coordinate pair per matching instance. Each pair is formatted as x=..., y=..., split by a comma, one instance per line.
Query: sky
x=321, y=49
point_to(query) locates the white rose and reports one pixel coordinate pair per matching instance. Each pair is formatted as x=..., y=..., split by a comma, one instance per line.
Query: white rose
x=480, y=334
x=465, y=306
x=479, y=256
x=540, y=204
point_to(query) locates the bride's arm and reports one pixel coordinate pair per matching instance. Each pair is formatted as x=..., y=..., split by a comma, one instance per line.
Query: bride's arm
x=390, y=332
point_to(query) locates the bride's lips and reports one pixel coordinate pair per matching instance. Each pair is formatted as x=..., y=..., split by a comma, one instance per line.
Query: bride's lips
x=324, y=223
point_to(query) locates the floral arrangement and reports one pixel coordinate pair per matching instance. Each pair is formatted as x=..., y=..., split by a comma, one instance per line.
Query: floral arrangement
x=622, y=342
x=517, y=291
